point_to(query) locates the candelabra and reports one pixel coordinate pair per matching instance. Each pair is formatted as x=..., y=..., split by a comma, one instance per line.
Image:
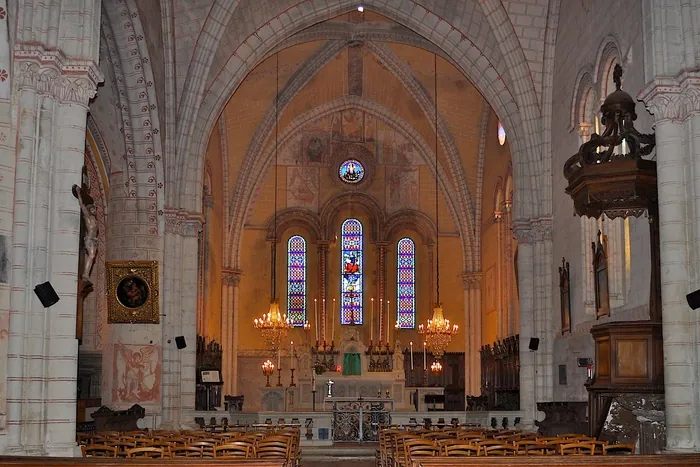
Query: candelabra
x=267, y=368
x=438, y=332
x=273, y=326
x=436, y=368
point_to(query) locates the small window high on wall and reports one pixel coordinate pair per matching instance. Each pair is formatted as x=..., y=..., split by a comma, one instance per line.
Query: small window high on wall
x=296, y=280
x=501, y=134
x=351, y=272
x=406, y=284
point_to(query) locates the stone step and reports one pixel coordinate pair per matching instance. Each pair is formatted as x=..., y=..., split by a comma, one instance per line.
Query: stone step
x=344, y=452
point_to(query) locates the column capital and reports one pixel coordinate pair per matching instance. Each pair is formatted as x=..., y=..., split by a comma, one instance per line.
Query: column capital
x=183, y=223
x=585, y=130
x=538, y=229
x=51, y=72
x=231, y=276
x=471, y=280
x=673, y=97
x=323, y=244
x=382, y=244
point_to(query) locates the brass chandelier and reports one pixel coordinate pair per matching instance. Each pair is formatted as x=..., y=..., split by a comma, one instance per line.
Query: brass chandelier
x=438, y=331
x=273, y=325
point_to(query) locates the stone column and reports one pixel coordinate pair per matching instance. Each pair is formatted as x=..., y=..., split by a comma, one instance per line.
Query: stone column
x=498, y=219
x=180, y=317
x=229, y=330
x=43, y=349
x=381, y=287
x=472, y=332
x=509, y=289
x=322, y=259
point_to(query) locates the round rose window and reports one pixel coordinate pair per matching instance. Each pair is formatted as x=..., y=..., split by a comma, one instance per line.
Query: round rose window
x=351, y=171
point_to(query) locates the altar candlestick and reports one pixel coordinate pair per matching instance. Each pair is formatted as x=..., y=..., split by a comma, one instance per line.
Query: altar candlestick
x=411, y=355
x=425, y=355
x=316, y=319
x=371, y=324
x=333, y=324
x=278, y=358
x=291, y=355
x=388, y=320
x=323, y=318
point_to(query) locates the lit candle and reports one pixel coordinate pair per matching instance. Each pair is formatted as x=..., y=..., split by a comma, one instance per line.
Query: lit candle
x=411, y=355
x=333, y=324
x=371, y=324
x=425, y=355
x=278, y=359
x=316, y=319
x=323, y=318
x=291, y=355
x=388, y=320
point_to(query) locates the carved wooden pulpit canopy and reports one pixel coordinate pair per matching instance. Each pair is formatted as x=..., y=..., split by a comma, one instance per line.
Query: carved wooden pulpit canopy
x=610, y=176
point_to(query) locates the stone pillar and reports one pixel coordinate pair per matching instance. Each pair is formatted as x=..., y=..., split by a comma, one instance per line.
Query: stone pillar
x=676, y=109
x=472, y=332
x=180, y=317
x=381, y=287
x=229, y=330
x=43, y=349
x=509, y=289
x=322, y=277
x=498, y=219
x=535, y=279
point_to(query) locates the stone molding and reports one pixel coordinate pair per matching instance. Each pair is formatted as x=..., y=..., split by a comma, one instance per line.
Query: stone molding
x=183, y=223
x=535, y=230
x=673, y=98
x=50, y=72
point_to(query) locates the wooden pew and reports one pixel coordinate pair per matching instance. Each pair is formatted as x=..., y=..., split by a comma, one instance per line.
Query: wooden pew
x=135, y=462
x=673, y=460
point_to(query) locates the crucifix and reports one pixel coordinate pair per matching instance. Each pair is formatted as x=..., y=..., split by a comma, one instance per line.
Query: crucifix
x=330, y=384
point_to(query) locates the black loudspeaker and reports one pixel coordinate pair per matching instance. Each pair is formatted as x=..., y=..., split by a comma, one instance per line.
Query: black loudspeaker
x=534, y=343
x=180, y=342
x=693, y=299
x=46, y=294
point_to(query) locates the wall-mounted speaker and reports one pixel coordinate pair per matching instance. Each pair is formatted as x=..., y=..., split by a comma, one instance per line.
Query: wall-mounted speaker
x=534, y=343
x=693, y=299
x=46, y=294
x=180, y=342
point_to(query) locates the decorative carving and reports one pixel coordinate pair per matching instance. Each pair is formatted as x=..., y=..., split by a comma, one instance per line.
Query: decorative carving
x=565, y=296
x=471, y=280
x=673, y=98
x=132, y=291
x=600, y=275
x=51, y=73
x=192, y=228
x=231, y=277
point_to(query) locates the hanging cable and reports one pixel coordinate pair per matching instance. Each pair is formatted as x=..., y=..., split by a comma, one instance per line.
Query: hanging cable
x=437, y=203
x=274, y=243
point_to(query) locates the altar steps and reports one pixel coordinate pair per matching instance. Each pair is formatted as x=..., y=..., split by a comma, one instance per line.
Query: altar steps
x=351, y=455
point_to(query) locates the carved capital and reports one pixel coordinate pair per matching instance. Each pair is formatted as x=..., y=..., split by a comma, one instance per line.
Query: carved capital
x=585, y=130
x=673, y=98
x=533, y=230
x=174, y=224
x=192, y=228
x=231, y=277
x=471, y=280
x=50, y=72
x=542, y=228
x=523, y=233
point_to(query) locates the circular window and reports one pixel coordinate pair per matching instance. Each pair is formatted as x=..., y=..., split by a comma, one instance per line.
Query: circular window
x=351, y=171
x=501, y=134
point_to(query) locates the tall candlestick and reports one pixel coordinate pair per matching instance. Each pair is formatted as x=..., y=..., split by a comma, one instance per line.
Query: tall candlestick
x=411, y=355
x=278, y=359
x=425, y=356
x=388, y=321
x=323, y=318
x=371, y=324
x=291, y=355
x=333, y=324
x=316, y=318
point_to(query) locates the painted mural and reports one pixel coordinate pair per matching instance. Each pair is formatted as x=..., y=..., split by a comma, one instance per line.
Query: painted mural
x=302, y=187
x=402, y=187
x=137, y=373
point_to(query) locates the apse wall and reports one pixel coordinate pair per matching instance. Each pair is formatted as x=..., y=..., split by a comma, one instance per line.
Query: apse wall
x=588, y=41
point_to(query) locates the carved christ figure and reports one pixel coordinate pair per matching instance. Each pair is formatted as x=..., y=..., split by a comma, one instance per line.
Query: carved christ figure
x=90, y=240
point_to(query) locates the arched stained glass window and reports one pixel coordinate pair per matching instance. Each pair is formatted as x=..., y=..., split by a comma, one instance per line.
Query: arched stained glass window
x=296, y=280
x=351, y=273
x=406, y=284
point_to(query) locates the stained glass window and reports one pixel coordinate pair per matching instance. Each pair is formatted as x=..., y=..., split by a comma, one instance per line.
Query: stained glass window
x=501, y=134
x=351, y=171
x=406, y=284
x=296, y=280
x=351, y=263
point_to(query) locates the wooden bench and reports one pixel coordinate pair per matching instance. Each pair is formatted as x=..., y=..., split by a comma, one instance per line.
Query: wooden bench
x=674, y=460
x=135, y=462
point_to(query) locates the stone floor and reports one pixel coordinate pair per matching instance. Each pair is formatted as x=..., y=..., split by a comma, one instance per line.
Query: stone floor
x=350, y=455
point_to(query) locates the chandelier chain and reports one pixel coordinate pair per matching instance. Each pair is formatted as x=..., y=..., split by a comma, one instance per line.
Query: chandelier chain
x=437, y=196
x=274, y=240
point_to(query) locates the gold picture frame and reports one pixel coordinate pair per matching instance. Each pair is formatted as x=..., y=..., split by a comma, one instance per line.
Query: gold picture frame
x=132, y=291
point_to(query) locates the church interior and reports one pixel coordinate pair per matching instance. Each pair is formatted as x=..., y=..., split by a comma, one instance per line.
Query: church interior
x=391, y=231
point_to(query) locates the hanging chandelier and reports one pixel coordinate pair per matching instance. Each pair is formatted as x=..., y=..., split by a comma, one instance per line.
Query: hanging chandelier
x=438, y=331
x=273, y=325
